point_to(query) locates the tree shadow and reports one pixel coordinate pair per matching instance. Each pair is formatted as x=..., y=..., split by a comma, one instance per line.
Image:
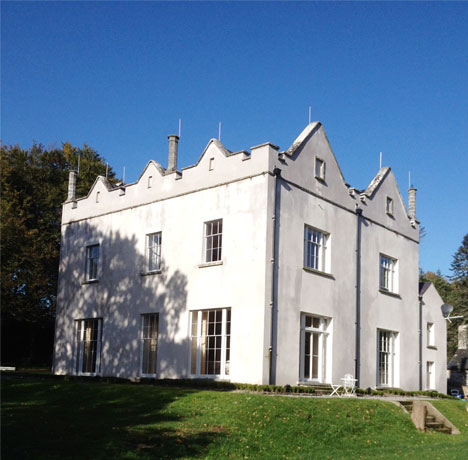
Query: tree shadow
x=43, y=419
x=121, y=295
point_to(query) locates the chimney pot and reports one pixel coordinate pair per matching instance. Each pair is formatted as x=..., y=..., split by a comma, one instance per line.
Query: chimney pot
x=463, y=337
x=173, y=144
x=412, y=203
x=71, y=186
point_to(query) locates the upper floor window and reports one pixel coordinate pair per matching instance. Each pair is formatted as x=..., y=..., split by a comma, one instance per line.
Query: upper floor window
x=213, y=240
x=153, y=251
x=389, y=206
x=388, y=274
x=92, y=262
x=319, y=168
x=315, y=249
x=430, y=335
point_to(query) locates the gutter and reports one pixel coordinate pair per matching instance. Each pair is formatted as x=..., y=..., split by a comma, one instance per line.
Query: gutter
x=357, y=360
x=420, y=343
x=272, y=349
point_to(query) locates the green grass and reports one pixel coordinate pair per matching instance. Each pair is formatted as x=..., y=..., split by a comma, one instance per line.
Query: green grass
x=48, y=419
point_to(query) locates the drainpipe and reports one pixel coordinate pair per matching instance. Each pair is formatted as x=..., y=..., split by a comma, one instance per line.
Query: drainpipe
x=357, y=360
x=272, y=350
x=420, y=344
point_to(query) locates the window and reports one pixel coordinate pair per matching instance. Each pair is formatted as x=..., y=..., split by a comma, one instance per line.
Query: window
x=213, y=240
x=387, y=356
x=210, y=342
x=150, y=181
x=211, y=165
x=92, y=261
x=319, y=168
x=153, y=251
x=430, y=377
x=314, y=341
x=88, y=350
x=315, y=249
x=149, y=343
x=430, y=335
x=389, y=206
x=388, y=275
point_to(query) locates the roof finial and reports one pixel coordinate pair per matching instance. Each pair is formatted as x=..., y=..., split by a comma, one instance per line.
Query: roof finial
x=310, y=114
x=219, y=132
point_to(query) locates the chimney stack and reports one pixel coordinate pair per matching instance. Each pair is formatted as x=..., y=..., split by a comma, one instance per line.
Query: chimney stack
x=173, y=142
x=71, y=186
x=412, y=203
x=463, y=337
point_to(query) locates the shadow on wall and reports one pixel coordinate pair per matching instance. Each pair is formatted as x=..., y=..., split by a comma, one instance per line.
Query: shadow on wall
x=122, y=292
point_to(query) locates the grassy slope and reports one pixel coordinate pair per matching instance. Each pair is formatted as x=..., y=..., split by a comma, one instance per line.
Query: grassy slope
x=49, y=420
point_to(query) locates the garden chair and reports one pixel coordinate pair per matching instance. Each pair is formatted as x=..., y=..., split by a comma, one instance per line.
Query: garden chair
x=349, y=385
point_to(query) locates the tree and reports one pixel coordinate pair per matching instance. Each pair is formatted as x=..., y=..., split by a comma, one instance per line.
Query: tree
x=34, y=184
x=459, y=268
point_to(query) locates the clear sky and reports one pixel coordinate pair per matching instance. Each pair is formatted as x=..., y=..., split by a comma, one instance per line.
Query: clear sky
x=381, y=77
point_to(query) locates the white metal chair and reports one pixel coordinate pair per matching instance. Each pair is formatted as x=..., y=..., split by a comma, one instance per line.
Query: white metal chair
x=349, y=385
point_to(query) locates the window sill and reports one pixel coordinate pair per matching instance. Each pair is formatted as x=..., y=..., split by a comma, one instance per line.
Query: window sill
x=432, y=347
x=89, y=282
x=154, y=272
x=211, y=264
x=389, y=293
x=318, y=272
x=216, y=377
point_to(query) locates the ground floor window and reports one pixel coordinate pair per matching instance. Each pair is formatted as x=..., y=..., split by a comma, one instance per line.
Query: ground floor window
x=210, y=342
x=88, y=349
x=387, y=358
x=149, y=343
x=430, y=375
x=314, y=348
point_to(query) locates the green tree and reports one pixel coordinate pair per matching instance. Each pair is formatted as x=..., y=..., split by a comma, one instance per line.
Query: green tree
x=34, y=184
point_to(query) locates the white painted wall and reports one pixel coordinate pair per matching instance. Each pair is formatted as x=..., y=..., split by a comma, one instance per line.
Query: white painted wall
x=240, y=189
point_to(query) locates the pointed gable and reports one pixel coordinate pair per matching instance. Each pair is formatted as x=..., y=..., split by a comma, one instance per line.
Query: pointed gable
x=312, y=164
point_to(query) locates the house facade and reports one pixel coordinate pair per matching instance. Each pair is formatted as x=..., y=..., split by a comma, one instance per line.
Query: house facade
x=258, y=266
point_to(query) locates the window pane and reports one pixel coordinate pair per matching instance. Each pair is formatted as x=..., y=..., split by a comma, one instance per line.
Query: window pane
x=213, y=240
x=214, y=348
x=149, y=343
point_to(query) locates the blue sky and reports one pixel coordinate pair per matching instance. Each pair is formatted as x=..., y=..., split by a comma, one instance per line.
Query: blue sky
x=381, y=77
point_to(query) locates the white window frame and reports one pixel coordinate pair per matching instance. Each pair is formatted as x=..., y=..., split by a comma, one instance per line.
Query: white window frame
x=387, y=358
x=430, y=334
x=213, y=241
x=319, y=167
x=315, y=343
x=316, y=249
x=153, y=252
x=430, y=375
x=202, y=338
x=81, y=346
x=388, y=273
x=92, y=262
x=149, y=357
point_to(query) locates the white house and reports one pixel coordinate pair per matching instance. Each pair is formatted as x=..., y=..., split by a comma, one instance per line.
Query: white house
x=258, y=267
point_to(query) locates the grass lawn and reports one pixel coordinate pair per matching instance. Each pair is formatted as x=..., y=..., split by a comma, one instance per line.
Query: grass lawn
x=48, y=419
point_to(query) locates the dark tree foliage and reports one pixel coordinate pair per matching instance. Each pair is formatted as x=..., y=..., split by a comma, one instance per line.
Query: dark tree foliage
x=34, y=184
